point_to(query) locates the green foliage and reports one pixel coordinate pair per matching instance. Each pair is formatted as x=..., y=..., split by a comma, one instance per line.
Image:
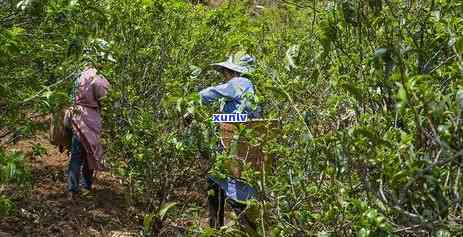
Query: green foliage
x=13, y=171
x=12, y=168
x=6, y=206
x=369, y=92
x=157, y=217
x=38, y=150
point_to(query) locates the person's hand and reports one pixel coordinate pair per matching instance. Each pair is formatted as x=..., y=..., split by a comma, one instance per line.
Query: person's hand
x=188, y=117
x=68, y=118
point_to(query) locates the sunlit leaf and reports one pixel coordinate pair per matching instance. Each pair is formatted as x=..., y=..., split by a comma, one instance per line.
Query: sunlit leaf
x=165, y=208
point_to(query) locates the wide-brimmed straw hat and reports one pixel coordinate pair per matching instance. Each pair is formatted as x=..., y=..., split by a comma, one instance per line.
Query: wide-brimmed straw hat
x=242, y=64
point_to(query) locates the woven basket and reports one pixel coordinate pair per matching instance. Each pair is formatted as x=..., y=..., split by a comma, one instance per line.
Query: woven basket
x=242, y=149
x=58, y=134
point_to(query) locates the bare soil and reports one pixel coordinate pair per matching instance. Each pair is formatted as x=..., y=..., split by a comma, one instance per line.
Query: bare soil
x=45, y=210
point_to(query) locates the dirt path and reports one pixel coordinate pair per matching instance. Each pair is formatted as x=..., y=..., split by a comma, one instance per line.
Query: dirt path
x=46, y=211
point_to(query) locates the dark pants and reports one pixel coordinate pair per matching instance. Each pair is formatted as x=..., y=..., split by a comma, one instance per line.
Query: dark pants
x=78, y=162
x=216, y=204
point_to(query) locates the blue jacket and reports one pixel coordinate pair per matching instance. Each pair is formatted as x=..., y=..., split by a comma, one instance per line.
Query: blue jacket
x=238, y=94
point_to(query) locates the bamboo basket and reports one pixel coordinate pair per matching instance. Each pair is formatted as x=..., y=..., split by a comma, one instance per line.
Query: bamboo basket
x=244, y=151
x=58, y=134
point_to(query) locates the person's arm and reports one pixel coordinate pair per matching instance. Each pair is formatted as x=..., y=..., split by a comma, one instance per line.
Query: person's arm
x=227, y=90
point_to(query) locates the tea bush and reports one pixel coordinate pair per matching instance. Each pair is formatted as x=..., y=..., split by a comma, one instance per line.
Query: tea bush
x=13, y=171
x=369, y=92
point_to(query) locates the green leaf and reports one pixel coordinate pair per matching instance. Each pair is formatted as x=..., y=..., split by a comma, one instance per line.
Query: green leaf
x=402, y=97
x=380, y=53
x=323, y=234
x=371, y=214
x=195, y=72
x=291, y=54
x=178, y=105
x=460, y=99
x=208, y=232
x=441, y=233
x=23, y=4
x=363, y=232
x=165, y=208
x=147, y=222
x=15, y=31
x=128, y=137
x=12, y=170
x=459, y=45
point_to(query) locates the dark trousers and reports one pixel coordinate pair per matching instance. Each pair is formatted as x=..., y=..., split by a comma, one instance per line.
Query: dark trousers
x=216, y=204
x=77, y=163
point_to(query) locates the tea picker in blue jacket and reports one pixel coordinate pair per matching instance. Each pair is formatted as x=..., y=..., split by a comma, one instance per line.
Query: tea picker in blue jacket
x=238, y=94
x=237, y=90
